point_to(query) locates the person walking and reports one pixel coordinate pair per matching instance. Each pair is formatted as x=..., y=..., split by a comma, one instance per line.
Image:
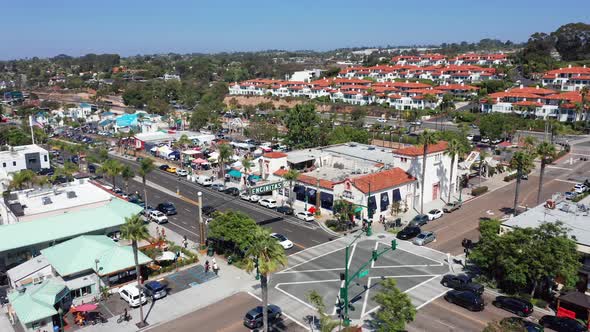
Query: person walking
x=207, y=267
x=185, y=242
x=215, y=268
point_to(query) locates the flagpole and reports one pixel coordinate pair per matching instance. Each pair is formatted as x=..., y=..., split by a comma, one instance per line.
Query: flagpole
x=32, y=131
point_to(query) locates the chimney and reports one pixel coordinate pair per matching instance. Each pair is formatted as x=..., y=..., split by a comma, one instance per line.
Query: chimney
x=521, y=86
x=569, y=66
x=537, y=87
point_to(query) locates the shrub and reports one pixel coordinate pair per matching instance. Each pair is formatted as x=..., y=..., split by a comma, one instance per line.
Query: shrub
x=479, y=190
x=336, y=225
x=510, y=177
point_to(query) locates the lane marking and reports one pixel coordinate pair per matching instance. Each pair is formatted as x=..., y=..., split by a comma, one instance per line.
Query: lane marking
x=562, y=168
x=567, y=181
x=309, y=260
x=434, y=298
x=187, y=210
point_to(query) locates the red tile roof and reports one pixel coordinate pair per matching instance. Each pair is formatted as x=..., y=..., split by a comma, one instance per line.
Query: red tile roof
x=382, y=180
x=418, y=150
x=275, y=155
x=308, y=179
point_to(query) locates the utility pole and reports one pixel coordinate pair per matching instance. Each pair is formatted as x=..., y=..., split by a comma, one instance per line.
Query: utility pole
x=200, y=220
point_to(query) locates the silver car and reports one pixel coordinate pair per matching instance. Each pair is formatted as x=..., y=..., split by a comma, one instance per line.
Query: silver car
x=424, y=238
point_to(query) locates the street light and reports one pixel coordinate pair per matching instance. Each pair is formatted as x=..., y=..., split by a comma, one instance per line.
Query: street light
x=200, y=220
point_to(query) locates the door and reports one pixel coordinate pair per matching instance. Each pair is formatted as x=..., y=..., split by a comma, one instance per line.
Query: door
x=435, y=190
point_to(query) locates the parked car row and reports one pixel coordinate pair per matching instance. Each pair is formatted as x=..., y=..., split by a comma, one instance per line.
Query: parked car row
x=130, y=293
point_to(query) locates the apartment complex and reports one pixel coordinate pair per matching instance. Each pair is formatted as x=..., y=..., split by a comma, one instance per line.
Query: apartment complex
x=567, y=79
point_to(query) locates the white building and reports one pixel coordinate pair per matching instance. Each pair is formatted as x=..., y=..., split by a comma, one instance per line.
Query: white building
x=22, y=157
x=306, y=75
x=567, y=79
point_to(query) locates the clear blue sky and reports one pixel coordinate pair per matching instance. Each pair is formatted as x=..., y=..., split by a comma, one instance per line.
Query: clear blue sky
x=46, y=28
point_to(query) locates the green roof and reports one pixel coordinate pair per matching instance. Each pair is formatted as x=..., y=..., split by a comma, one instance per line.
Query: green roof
x=67, y=225
x=79, y=254
x=36, y=302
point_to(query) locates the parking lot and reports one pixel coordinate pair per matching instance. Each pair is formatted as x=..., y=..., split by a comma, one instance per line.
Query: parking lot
x=417, y=271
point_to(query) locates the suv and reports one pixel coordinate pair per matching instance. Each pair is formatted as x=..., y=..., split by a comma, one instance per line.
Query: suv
x=465, y=299
x=253, y=318
x=461, y=282
x=515, y=305
x=562, y=324
x=286, y=210
x=130, y=293
x=580, y=188
x=419, y=220
x=268, y=203
x=167, y=208
x=155, y=289
x=208, y=210
x=408, y=232
x=450, y=207
x=158, y=217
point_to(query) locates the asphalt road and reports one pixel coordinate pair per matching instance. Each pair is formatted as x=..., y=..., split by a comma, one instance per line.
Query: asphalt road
x=302, y=234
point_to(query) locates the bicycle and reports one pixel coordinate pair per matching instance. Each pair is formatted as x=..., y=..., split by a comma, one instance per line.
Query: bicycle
x=125, y=317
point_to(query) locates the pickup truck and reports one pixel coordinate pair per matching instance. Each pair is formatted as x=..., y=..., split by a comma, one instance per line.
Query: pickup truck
x=450, y=207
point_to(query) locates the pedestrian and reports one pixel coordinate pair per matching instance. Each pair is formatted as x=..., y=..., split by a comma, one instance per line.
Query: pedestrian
x=215, y=268
x=185, y=242
x=158, y=231
x=206, y=266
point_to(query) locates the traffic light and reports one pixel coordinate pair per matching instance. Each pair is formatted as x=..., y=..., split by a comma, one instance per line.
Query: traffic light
x=342, y=277
x=375, y=255
x=368, y=228
x=393, y=244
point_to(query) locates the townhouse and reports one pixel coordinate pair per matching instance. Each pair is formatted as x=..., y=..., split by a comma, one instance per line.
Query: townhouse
x=567, y=79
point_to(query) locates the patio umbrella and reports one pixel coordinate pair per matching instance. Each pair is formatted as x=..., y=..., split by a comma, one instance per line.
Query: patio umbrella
x=86, y=307
x=199, y=161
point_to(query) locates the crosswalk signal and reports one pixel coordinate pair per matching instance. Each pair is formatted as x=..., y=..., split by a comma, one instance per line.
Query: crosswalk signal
x=375, y=255
x=393, y=244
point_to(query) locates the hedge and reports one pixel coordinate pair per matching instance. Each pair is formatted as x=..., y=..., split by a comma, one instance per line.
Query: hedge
x=479, y=190
x=510, y=177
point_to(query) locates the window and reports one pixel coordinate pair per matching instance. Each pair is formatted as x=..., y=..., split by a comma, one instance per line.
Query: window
x=45, y=157
x=404, y=159
x=14, y=163
x=81, y=291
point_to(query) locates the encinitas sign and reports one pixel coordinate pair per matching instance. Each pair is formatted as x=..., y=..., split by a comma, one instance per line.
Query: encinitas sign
x=266, y=188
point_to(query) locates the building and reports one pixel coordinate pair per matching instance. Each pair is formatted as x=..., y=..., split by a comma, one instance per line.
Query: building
x=363, y=175
x=567, y=79
x=306, y=75
x=18, y=158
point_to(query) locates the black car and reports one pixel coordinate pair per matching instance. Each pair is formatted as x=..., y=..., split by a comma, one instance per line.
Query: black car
x=208, y=210
x=164, y=167
x=232, y=191
x=419, y=220
x=60, y=179
x=562, y=324
x=284, y=209
x=253, y=318
x=167, y=208
x=526, y=325
x=461, y=282
x=409, y=232
x=46, y=171
x=91, y=168
x=466, y=299
x=515, y=305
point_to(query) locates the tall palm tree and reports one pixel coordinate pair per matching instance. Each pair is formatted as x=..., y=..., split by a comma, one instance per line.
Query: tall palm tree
x=545, y=151
x=135, y=230
x=291, y=176
x=247, y=164
x=426, y=138
x=225, y=153
x=522, y=161
x=453, y=150
x=22, y=178
x=145, y=167
x=265, y=255
x=127, y=174
x=112, y=168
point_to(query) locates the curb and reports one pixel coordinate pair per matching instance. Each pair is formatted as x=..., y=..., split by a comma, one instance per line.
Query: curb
x=327, y=229
x=541, y=310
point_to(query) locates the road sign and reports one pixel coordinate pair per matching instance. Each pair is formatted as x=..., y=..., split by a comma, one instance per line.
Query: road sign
x=266, y=188
x=364, y=273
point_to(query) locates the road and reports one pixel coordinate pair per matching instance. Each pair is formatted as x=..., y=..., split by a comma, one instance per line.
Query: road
x=226, y=315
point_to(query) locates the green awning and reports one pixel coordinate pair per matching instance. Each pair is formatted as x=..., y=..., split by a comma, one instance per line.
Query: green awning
x=358, y=209
x=234, y=173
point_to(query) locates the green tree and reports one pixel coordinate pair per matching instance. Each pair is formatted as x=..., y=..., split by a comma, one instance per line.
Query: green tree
x=127, y=174
x=22, y=178
x=546, y=152
x=426, y=138
x=234, y=227
x=265, y=255
x=504, y=326
x=145, y=167
x=135, y=230
x=291, y=176
x=454, y=150
x=112, y=168
x=200, y=117
x=327, y=324
x=225, y=153
x=344, y=134
x=302, y=123
x=522, y=162
x=247, y=164
x=395, y=308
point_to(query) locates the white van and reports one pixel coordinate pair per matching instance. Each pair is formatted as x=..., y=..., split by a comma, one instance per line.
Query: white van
x=204, y=180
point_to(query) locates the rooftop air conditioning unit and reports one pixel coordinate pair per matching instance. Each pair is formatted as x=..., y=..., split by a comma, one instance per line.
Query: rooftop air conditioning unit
x=46, y=200
x=71, y=194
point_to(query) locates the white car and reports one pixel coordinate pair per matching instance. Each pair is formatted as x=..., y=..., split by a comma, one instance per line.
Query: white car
x=470, y=137
x=158, y=217
x=181, y=172
x=496, y=141
x=434, y=214
x=305, y=216
x=268, y=202
x=247, y=197
x=580, y=188
x=485, y=140
x=283, y=241
x=131, y=294
x=381, y=120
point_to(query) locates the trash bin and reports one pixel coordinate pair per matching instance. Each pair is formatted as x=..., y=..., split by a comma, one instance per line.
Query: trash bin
x=230, y=260
x=210, y=252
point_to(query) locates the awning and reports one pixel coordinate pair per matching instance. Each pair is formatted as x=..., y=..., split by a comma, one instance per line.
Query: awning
x=254, y=177
x=358, y=209
x=85, y=307
x=166, y=256
x=234, y=173
x=200, y=161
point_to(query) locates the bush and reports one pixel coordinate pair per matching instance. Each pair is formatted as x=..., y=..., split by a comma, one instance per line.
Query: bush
x=510, y=177
x=539, y=303
x=336, y=225
x=479, y=190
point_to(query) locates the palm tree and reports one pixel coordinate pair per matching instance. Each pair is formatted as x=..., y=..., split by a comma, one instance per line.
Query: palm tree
x=529, y=143
x=112, y=168
x=225, y=153
x=135, y=230
x=127, y=174
x=453, y=150
x=522, y=161
x=21, y=178
x=265, y=255
x=247, y=164
x=426, y=138
x=291, y=176
x=145, y=167
x=546, y=151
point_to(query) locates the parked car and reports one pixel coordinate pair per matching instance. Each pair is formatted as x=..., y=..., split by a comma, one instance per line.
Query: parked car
x=131, y=294
x=434, y=214
x=253, y=318
x=254, y=198
x=470, y=137
x=204, y=180
x=305, y=216
x=562, y=324
x=171, y=169
x=580, y=188
x=155, y=289
x=164, y=167
x=158, y=217
x=526, y=325
x=208, y=210
x=91, y=168
x=485, y=140
x=419, y=220
x=218, y=186
x=408, y=232
x=515, y=305
x=465, y=299
x=135, y=199
x=450, y=207
x=268, y=203
x=285, y=243
x=167, y=208
x=285, y=209
x=49, y=171
x=424, y=238
x=461, y=282
x=245, y=195
x=181, y=172
x=569, y=195
x=496, y=141
x=232, y=191
x=381, y=120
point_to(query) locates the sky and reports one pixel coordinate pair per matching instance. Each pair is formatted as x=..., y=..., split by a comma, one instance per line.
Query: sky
x=128, y=27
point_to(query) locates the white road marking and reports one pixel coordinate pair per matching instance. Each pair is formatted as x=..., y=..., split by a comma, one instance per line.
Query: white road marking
x=557, y=167
x=288, y=230
x=187, y=210
x=309, y=260
x=351, y=255
x=567, y=181
x=432, y=299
